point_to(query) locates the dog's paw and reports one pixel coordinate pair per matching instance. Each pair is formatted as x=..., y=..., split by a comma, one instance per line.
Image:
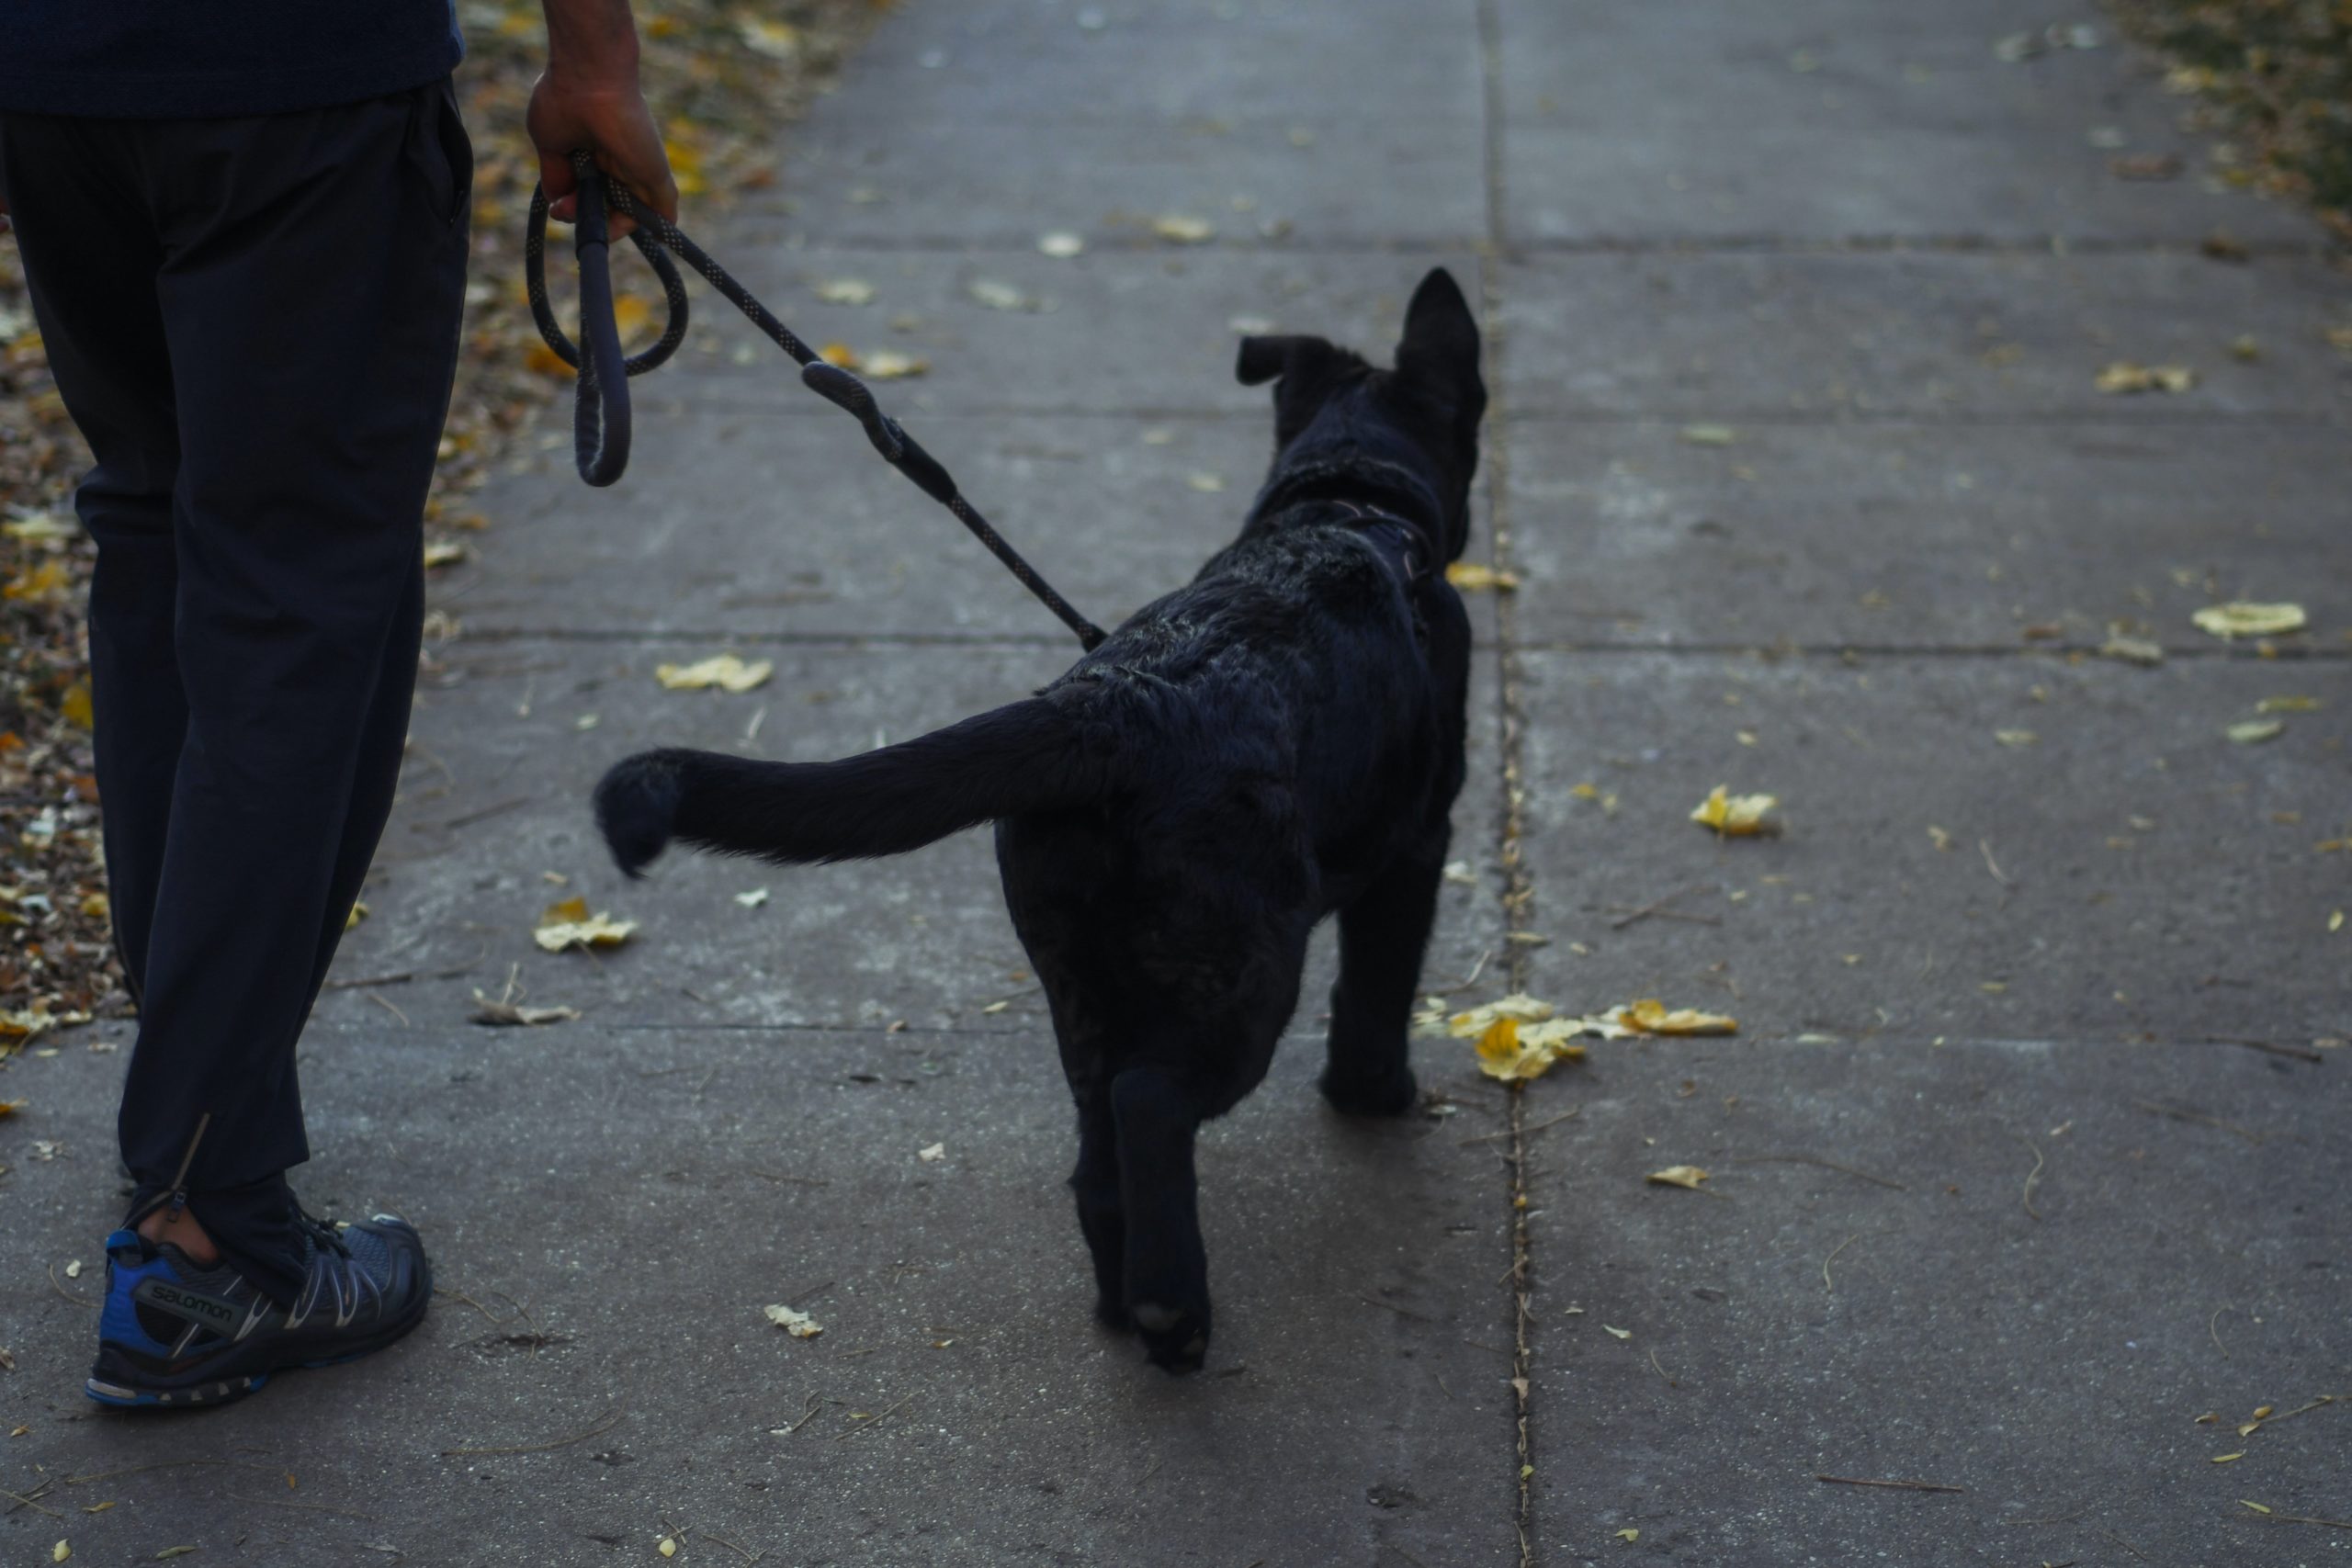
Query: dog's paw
x=1175, y=1338
x=1388, y=1096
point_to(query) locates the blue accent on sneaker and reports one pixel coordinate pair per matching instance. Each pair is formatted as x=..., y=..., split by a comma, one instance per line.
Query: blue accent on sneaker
x=130, y=1261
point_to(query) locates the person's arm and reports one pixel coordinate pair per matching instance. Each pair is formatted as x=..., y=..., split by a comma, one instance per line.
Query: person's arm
x=589, y=98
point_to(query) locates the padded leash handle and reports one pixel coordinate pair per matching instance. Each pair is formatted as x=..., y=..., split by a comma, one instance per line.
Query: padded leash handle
x=600, y=407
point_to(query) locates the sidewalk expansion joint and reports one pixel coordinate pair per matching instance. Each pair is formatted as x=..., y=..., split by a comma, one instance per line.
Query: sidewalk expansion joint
x=1519, y=887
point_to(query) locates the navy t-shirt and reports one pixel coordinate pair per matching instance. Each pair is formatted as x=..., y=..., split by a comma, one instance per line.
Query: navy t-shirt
x=204, y=59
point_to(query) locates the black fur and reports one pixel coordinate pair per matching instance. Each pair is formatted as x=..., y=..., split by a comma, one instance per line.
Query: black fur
x=1279, y=740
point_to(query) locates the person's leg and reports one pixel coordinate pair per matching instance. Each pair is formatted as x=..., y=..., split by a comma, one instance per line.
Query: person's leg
x=91, y=255
x=311, y=291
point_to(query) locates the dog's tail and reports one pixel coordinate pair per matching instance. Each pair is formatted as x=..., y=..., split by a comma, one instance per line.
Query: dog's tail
x=1033, y=755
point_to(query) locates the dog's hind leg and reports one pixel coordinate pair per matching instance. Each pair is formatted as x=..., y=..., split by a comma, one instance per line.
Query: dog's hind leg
x=1382, y=935
x=1166, y=1282
x=1102, y=1217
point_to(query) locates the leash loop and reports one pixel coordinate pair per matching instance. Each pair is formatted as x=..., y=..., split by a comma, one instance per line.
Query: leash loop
x=600, y=408
x=600, y=411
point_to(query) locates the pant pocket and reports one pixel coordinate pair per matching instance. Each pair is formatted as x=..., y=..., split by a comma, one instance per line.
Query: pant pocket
x=441, y=150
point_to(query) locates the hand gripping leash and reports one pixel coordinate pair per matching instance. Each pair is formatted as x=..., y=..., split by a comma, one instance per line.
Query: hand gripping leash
x=600, y=424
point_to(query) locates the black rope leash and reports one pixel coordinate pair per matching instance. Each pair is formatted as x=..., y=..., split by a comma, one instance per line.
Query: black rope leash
x=600, y=422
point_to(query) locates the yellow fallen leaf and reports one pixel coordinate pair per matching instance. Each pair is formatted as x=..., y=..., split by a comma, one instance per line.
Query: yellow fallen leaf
x=1687, y=1176
x=40, y=528
x=1061, y=243
x=74, y=1269
x=2016, y=737
x=667, y=1547
x=352, y=918
x=1206, y=483
x=632, y=313
x=75, y=705
x=568, y=924
x=1736, y=816
x=2263, y=1411
x=753, y=899
x=845, y=292
x=2287, y=705
x=999, y=296
x=44, y=584
x=724, y=671
x=2126, y=375
x=777, y=41
x=2254, y=731
x=2133, y=649
x=800, y=1325
x=60, y=1552
x=1619, y=1333
x=1519, y=1007
x=544, y=360
x=2256, y=1507
x=1500, y=1056
x=499, y=1012
x=2224, y=1458
x=1182, y=228
x=932, y=1154
x=2336, y=921
x=889, y=364
x=1651, y=1016
x=444, y=552
x=1709, y=434
x=1629, y=1536
x=840, y=355
x=2240, y=618
x=1476, y=577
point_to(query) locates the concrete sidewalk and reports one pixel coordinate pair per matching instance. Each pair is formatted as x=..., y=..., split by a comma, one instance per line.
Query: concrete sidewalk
x=1796, y=313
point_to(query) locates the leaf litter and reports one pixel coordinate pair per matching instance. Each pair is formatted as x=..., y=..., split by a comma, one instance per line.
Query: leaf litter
x=1520, y=1037
x=570, y=925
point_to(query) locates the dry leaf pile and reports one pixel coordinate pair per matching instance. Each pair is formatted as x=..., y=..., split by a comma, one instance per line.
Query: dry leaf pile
x=2274, y=75
x=720, y=81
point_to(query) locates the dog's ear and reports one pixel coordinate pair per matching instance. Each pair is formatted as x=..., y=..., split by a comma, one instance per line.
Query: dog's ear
x=1440, y=344
x=1263, y=359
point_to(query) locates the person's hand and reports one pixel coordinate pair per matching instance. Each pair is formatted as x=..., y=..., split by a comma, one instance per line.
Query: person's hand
x=589, y=98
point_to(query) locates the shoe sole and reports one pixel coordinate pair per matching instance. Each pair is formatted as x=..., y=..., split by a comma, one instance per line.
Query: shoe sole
x=209, y=1392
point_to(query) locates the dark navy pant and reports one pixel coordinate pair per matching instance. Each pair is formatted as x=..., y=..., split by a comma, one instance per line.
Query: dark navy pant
x=255, y=324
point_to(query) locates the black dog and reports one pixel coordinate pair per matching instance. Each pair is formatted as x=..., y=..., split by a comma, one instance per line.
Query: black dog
x=1278, y=741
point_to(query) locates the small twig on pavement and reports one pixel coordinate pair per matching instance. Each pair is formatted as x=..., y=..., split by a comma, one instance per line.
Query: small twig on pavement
x=380, y=1000
x=1833, y=1257
x=1400, y=1312
x=2031, y=1177
x=2126, y=1545
x=2297, y=1519
x=1658, y=906
x=1469, y=980
x=604, y=1424
x=1894, y=1486
x=869, y=1425
x=1496, y=1137
x=2296, y=1051
x=1662, y=1371
x=23, y=1501
x=1992, y=865
x=1810, y=1160
x=69, y=1295
x=2213, y=1328
x=747, y=1556
x=2202, y=1120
